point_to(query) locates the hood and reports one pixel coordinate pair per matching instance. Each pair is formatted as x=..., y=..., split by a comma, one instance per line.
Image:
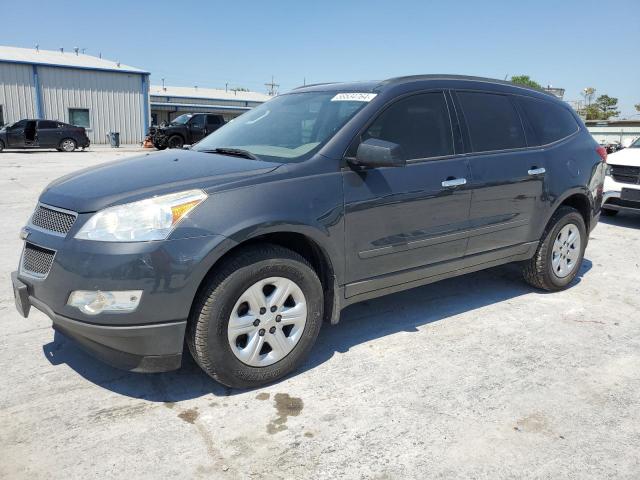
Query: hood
x=626, y=156
x=144, y=176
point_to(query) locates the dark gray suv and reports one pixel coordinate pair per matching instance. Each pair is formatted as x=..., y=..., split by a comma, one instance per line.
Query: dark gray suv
x=329, y=195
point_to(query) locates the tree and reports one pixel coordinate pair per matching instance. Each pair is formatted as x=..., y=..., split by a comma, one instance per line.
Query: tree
x=591, y=112
x=637, y=107
x=526, y=81
x=607, y=107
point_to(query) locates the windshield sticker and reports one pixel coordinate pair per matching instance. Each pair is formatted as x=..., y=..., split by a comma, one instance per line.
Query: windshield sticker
x=354, y=97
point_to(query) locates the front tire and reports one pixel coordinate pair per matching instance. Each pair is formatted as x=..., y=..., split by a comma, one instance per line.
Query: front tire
x=68, y=145
x=257, y=317
x=560, y=252
x=176, y=141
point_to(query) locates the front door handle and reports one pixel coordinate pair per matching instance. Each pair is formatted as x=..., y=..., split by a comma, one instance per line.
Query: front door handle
x=536, y=171
x=454, y=182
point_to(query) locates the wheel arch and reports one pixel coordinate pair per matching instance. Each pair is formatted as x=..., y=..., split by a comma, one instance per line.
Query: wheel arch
x=305, y=244
x=578, y=198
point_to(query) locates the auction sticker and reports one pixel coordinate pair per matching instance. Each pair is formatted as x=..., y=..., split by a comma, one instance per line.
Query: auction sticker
x=354, y=97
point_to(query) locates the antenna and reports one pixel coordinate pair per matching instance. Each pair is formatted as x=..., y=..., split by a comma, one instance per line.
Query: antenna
x=76, y=49
x=164, y=89
x=37, y=47
x=273, y=87
x=83, y=50
x=61, y=49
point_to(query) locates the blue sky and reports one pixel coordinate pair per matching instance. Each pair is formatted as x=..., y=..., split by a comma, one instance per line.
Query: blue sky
x=570, y=44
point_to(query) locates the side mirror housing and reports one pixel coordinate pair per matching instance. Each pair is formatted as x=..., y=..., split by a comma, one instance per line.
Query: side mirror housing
x=379, y=153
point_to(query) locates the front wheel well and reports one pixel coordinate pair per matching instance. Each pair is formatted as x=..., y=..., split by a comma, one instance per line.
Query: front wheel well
x=302, y=245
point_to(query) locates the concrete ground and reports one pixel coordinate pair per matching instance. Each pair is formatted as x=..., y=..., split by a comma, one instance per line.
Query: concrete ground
x=475, y=377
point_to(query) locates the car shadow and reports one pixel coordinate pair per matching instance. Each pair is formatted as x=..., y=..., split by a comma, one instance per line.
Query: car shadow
x=401, y=312
x=623, y=219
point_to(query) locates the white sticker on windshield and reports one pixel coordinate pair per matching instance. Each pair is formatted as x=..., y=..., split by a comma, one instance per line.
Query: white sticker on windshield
x=354, y=97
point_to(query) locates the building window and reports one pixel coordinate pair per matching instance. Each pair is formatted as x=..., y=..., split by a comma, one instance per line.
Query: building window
x=1, y=116
x=79, y=117
x=154, y=119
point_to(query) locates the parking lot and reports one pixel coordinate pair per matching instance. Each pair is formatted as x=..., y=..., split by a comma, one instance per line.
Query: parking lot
x=475, y=377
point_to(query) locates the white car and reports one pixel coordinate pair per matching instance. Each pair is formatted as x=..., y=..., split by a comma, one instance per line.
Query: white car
x=622, y=184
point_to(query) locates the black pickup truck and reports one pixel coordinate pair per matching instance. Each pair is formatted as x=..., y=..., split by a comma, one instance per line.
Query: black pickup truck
x=186, y=129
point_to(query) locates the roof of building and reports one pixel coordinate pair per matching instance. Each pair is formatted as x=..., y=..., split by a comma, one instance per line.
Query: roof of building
x=613, y=122
x=207, y=93
x=66, y=59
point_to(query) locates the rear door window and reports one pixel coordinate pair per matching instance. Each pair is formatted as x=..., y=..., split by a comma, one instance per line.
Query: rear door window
x=420, y=124
x=550, y=122
x=492, y=120
x=213, y=120
x=47, y=124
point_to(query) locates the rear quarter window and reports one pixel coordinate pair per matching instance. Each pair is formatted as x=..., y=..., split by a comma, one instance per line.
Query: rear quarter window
x=550, y=122
x=492, y=120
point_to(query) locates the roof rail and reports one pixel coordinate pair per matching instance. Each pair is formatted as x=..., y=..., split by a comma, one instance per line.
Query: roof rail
x=315, y=85
x=415, y=78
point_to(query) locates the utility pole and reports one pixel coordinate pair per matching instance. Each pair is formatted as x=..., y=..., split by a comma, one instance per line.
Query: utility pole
x=272, y=87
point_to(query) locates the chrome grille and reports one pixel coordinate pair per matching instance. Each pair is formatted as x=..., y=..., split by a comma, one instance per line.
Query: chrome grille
x=36, y=260
x=626, y=174
x=53, y=220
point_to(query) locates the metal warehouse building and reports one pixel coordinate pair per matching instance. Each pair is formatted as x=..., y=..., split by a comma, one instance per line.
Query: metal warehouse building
x=83, y=90
x=169, y=102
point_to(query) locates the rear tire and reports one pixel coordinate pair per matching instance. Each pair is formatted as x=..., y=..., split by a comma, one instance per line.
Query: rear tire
x=176, y=141
x=558, y=259
x=219, y=349
x=68, y=145
x=607, y=212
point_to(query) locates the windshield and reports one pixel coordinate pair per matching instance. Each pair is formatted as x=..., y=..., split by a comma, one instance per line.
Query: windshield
x=287, y=128
x=181, y=120
x=635, y=144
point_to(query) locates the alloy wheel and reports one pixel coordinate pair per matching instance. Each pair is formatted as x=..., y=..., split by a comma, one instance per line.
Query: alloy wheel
x=566, y=250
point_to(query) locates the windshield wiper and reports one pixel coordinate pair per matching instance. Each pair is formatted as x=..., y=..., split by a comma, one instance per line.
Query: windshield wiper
x=234, y=152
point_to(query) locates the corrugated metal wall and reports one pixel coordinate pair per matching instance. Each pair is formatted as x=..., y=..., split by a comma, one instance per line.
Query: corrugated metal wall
x=115, y=100
x=17, y=92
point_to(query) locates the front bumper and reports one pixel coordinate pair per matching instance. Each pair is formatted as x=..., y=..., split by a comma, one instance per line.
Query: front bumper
x=137, y=348
x=149, y=339
x=613, y=198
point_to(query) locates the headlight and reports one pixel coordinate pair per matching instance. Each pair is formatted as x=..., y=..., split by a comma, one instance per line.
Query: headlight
x=149, y=219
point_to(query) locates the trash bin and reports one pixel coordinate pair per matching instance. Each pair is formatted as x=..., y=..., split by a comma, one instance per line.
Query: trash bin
x=114, y=139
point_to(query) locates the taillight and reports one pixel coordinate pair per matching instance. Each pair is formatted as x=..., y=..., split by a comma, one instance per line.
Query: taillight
x=602, y=152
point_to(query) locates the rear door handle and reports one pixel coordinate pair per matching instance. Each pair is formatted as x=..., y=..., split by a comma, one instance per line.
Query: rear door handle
x=536, y=171
x=454, y=182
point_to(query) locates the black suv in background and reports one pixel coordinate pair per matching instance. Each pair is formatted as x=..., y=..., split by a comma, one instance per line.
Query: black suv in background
x=319, y=198
x=43, y=134
x=186, y=129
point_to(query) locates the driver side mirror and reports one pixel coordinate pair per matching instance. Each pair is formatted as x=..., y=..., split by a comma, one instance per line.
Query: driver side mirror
x=379, y=153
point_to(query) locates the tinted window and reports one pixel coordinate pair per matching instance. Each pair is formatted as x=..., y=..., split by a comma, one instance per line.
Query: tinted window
x=47, y=124
x=419, y=124
x=213, y=120
x=493, y=121
x=197, y=120
x=550, y=122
